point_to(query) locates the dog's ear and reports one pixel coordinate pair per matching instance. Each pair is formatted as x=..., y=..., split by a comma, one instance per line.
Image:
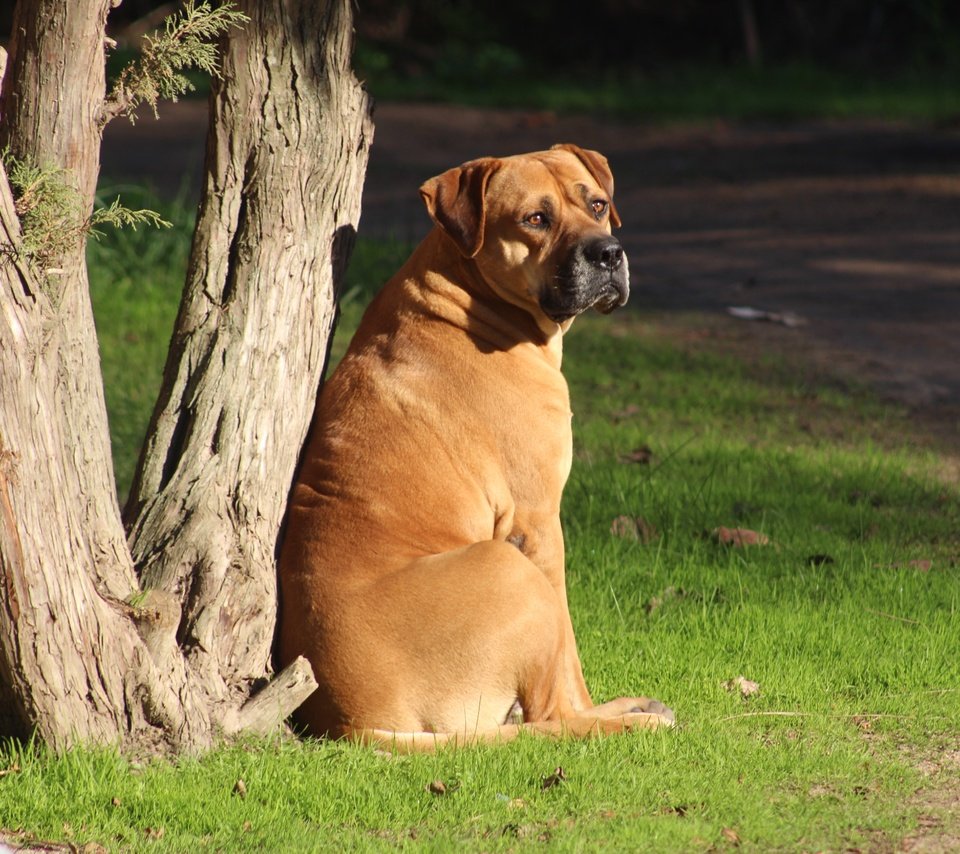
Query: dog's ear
x=455, y=201
x=597, y=166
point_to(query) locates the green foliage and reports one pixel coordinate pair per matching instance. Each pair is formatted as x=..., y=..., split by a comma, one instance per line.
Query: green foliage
x=118, y=216
x=51, y=214
x=188, y=41
x=50, y=210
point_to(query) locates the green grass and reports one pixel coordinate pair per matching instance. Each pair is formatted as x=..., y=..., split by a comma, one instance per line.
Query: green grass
x=136, y=278
x=689, y=92
x=855, y=652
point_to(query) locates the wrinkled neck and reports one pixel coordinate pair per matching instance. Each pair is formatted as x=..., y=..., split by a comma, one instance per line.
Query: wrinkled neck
x=461, y=295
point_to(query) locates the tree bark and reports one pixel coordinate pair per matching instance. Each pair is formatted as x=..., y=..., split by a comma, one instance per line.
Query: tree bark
x=53, y=93
x=66, y=651
x=81, y=657
x=286, y=153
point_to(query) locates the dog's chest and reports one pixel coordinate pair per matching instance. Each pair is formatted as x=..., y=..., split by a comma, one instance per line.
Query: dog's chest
x=534, y=435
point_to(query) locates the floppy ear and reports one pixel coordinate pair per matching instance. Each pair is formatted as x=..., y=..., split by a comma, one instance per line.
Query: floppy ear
x=597, y=166
x=455, y=202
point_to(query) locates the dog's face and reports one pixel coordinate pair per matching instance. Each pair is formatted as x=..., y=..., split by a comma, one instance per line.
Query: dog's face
x=537, y=227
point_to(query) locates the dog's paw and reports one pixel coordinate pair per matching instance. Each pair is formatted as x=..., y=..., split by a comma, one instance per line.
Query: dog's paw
x=649, y=720
x=655, y=707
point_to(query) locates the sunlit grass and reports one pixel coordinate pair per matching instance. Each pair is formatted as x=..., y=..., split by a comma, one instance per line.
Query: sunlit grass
x=848, y=620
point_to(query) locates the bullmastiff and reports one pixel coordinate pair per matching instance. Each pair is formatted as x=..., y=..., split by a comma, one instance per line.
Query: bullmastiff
x=422, y=570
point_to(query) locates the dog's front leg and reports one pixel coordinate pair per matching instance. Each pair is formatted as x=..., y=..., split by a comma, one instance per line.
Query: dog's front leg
x=543, y=545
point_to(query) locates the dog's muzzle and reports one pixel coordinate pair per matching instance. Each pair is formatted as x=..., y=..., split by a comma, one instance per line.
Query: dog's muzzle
x=595, y=275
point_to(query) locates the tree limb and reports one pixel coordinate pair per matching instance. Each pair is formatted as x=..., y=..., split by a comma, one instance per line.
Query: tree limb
x=265, y=711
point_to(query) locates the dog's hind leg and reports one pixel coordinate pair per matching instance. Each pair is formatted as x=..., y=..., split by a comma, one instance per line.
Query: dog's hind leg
x=480, y=629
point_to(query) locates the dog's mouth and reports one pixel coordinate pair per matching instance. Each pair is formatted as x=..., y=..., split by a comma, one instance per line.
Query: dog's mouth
x=613, y=295
x=561, y=303
x=594, y=275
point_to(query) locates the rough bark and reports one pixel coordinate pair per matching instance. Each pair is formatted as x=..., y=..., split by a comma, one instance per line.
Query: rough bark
x=53, y=92
x=66, y=650
x=286, y=154
x=287, y=151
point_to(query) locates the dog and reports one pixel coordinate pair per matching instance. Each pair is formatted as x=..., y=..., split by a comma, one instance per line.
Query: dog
x=422, y=569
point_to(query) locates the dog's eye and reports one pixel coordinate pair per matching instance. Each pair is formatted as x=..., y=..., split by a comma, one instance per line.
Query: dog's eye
x=536, y=220
x=598, y=206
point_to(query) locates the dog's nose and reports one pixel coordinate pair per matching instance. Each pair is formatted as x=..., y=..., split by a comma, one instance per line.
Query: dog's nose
x=606, y=253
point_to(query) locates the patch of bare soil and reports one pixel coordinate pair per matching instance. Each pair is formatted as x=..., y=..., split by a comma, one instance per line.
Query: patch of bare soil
x=938, y=799
x=851, y=230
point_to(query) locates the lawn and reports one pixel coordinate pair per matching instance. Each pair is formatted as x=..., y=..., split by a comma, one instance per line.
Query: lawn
x=846, y=620
x=775, y=92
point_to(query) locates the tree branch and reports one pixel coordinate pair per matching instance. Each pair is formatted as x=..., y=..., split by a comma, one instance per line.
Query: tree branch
x=264, y=712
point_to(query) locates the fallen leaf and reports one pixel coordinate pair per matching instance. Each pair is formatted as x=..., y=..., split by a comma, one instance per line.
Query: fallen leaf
x=154, y=832
x=240, y=789
x=739, y=537
x=437, y=787
x=634, y=528
x=115, y=801
x=743, y=685
x=247, y=826
x=731, y=836
x=642, y=456
x=558, y=776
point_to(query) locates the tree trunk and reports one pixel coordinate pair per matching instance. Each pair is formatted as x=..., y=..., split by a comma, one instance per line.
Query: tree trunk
x=66, y=650
x=286, y=154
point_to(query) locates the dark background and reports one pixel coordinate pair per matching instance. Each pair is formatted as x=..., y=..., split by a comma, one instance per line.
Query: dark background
x=473, y=38
x=542, y=36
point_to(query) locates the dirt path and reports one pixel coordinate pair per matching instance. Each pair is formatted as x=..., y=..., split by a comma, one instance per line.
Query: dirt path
x=852, y=227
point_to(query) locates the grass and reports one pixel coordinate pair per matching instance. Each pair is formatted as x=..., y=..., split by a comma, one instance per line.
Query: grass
x=853, y=646
x=136, y=277
x=691, y=92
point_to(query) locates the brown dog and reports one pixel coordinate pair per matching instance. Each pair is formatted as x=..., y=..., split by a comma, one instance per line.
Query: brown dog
x=422, y=572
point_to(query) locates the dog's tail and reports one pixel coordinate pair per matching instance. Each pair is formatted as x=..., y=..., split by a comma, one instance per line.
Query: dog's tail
x=571, y=727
